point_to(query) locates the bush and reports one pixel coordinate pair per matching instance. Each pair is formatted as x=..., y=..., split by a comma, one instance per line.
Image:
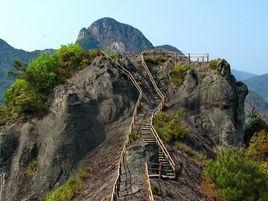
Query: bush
x=213, y=64
x=28, y=95
x=178, y=74
x=67, y=191
x=32, y=167
x=21, y=99
x=237, y=177
x=168, y=127
x=157, y=59
x=258, y=147
x=134, y=135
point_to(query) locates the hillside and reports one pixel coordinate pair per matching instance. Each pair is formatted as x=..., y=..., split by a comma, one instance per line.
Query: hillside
x=259, y=84
x=254, y=100
x=114, y=37
x=242, y=75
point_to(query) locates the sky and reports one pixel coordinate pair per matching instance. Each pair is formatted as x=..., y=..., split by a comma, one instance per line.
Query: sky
x=235, y=30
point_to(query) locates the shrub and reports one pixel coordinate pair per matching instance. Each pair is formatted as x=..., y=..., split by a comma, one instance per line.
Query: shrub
x=67, y=191
x=213, y=64
x=134, y=135
x=258, y=146
x=32, y=167
x=178, y=74
x=237, y=177
x=168, y=127
x=157, y=59
x=21, y=99
x=28, y=95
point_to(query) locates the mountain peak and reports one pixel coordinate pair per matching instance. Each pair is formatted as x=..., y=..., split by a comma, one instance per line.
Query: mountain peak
x=113, y=36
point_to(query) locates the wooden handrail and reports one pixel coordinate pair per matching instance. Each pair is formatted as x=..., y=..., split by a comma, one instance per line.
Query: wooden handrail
x=158, y=109
x=119, y=169
x=147, y=179
x=2, y=184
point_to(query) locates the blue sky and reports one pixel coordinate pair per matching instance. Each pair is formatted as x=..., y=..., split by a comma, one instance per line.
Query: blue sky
x=232, y=29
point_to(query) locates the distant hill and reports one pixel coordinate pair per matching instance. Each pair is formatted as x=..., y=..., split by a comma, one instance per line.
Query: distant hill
x=259, y=84
x=242, y=75
x=114, y=37
x=254, y=100
x=8, y=55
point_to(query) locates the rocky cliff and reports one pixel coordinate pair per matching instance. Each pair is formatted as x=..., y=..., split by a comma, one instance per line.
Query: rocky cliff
x=114, y=37
x=92, y=109
x=212, y=98
x=89, y=118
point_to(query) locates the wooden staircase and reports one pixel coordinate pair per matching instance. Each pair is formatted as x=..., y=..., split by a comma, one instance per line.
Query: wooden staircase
x=150, y=101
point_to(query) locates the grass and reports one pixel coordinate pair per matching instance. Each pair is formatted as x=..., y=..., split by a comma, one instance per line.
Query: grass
x=134, y=135
x=178, y=74
x=32, y=167
x=190, y=152
x=213, y=64
x=67, y=191
x=154, y=59
x=169, y=128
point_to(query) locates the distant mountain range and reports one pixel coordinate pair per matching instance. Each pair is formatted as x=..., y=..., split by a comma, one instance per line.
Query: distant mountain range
x=242, y=75
x=258, y=90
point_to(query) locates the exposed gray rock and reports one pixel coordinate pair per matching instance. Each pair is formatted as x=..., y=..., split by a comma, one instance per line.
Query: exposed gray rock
x=212, y=99
x=92, y=100
x=114, y=37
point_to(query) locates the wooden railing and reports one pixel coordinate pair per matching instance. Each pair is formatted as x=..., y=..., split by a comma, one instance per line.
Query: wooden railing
x=158, y=109
x=148, y=184
x=119, y=169
x=2, y=184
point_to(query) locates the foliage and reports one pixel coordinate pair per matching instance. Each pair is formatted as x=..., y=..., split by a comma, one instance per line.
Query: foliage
x=116, y=57
x=22, y=99
x=237, y=177
x=179, y=73
x=156, y=59
x=254, y=124
x=258, y=146
x=134, y=135
x=32, y=167
x=169, y=127
x=28, y=95
x=191, y=152
x=67, y=191
x=213, y=64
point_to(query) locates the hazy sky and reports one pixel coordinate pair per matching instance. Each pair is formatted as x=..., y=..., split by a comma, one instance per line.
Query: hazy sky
x=236, y=30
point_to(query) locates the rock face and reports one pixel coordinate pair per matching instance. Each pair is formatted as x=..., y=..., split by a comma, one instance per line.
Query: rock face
x=211, y=98
x=92, y=101
x=114, y=37
x=8, y=55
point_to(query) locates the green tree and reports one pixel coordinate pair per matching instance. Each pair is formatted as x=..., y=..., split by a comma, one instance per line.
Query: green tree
x=238, y=178
x=22, y=99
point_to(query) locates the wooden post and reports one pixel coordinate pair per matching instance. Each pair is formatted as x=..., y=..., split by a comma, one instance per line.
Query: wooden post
x=207, y=57
x=189, y=56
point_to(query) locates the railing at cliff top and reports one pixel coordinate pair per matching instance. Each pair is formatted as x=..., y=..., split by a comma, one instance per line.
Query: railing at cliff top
x=130, y=76
x=158, y=109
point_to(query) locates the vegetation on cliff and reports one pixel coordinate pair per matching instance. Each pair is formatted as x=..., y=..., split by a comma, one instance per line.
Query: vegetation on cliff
x=28, y=95
x=179, y=73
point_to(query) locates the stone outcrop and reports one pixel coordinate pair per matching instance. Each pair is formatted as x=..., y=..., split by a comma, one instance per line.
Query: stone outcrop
x=212, y=99
x=79, y=119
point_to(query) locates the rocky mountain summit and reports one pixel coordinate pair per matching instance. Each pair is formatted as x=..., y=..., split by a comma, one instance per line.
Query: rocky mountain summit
x=89, y=118
x=114, y=37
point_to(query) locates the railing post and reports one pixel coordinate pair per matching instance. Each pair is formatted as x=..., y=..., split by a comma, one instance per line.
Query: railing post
x=189, y=56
